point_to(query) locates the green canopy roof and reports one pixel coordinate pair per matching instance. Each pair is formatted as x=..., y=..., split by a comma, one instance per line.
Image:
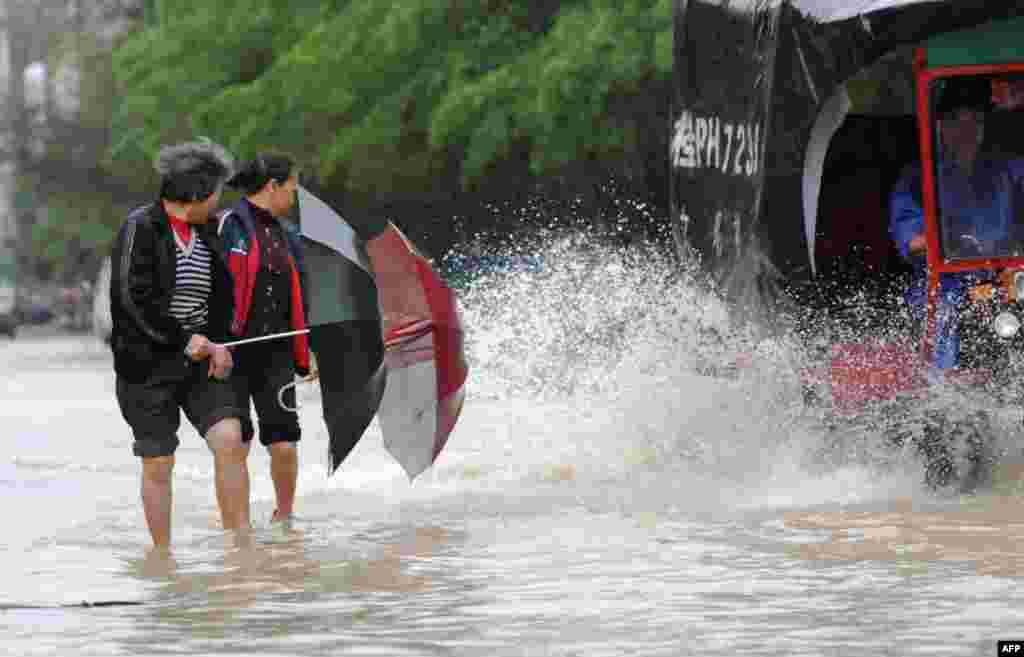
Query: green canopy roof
x=996, y=42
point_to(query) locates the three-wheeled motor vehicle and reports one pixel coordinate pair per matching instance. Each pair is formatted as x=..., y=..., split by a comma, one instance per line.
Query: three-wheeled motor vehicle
x=798, y=125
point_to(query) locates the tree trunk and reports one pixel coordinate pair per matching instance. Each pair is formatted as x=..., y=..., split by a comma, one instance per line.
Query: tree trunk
x=19, y=137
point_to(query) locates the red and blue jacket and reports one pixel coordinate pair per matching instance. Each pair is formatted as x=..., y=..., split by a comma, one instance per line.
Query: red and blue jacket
x=238, y=233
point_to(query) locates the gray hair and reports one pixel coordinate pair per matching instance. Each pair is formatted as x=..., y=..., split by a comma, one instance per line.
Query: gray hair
x=193, y=171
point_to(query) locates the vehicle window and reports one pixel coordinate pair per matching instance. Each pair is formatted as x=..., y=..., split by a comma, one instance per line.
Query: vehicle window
x=979, y=165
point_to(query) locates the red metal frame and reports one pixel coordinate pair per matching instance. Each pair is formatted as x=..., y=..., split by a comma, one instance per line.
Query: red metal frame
x=937, y=263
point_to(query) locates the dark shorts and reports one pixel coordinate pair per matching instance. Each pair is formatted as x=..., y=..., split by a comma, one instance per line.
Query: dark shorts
x=151, y=407
x=261, y=370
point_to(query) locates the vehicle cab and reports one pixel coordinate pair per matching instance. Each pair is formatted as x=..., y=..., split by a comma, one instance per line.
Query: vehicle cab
x=973, y=195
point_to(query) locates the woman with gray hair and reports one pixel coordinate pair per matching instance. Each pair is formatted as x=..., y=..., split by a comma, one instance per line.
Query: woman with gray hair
x=171, y=304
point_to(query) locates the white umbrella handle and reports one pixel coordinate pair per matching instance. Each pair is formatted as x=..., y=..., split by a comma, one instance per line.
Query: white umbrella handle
x=293, y=384
x=280, y=397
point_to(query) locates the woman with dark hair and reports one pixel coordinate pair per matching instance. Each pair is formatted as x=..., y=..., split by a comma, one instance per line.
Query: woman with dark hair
x=265, y=259
x=170, y=308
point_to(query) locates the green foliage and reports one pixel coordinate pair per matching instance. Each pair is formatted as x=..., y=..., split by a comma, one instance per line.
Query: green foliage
x=74, y=219
x=80, y=208
x=195, y=52
x=375, y=95
x=381, y=100
x=96, y=93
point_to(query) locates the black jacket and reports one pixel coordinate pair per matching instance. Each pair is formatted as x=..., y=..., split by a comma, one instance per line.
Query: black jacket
x=141, y=285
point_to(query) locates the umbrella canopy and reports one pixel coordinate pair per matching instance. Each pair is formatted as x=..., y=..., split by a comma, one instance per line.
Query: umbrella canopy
x=418, y=383
x=427, y=373
x=345, y=324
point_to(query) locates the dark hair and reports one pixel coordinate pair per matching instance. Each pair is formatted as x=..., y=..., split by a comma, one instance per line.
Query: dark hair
x=253, y=175
x=192, y=171
x=964, y=92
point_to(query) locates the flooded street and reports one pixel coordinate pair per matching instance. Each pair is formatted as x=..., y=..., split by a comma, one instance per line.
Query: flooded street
x=665, y=513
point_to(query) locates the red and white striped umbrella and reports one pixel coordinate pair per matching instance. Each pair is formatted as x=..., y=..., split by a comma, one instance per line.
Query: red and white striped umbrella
x=426, y=379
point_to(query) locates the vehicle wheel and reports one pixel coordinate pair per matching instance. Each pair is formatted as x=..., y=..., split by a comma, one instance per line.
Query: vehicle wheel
x=812, y=397
x=975, y=449
x=933, y=446
x=959, y=453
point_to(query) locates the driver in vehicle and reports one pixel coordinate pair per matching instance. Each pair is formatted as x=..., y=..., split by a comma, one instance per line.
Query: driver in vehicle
x=978, y=199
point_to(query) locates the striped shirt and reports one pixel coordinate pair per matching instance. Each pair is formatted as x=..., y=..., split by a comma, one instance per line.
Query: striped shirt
x=192, y=284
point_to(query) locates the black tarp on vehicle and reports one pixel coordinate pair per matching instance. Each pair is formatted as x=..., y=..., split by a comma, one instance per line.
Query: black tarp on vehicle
x=761, y=89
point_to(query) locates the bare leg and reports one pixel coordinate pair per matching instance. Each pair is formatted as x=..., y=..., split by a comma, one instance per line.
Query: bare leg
x=159, y=564
x=284, y=470
x=230, y=454
x=156, y=498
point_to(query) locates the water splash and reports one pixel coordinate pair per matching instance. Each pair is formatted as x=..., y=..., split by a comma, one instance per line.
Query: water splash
x=639, y=370
x=660, y=383
x=591, y=310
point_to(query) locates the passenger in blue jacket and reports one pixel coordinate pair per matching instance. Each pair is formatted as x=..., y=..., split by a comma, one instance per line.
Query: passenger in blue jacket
x=978, y=201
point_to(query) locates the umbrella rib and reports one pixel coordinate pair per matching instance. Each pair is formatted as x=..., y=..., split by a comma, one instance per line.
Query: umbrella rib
x=277, y=336
x=265, y=338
